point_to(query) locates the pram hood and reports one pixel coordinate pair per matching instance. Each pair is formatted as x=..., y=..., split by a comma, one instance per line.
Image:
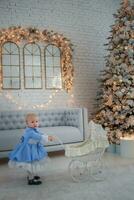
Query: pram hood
x=96, y=131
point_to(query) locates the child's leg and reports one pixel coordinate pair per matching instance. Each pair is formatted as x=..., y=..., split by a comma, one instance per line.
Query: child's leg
x=30, y=175
x=36, y=176
x=32, y=178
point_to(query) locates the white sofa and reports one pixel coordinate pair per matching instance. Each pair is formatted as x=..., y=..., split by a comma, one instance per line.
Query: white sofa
x=68, y=124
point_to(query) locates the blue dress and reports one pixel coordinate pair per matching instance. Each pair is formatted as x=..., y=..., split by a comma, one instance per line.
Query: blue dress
x=29, y=151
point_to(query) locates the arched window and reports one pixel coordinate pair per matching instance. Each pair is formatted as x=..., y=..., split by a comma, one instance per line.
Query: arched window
x=10, y=62
x=53, y=67
x=32, y=66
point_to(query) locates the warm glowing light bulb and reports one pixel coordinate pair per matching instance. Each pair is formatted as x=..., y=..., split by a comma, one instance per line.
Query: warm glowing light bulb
x=72, y=95
x=19, y=107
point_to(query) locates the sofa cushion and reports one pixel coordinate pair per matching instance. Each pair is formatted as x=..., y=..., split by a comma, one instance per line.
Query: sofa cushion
x=66, y=134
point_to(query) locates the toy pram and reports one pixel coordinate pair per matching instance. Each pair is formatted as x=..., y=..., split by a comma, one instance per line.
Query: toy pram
x=86, y=157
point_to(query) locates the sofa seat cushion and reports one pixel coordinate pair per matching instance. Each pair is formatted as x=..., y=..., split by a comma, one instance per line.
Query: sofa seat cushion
x=66, y=134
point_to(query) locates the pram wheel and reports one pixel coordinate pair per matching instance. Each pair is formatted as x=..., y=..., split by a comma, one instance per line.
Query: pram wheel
x=77, y=170
x=96, y=165
x=98, y=171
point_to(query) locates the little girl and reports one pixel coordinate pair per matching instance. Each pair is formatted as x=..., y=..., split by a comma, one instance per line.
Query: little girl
x=30, y=153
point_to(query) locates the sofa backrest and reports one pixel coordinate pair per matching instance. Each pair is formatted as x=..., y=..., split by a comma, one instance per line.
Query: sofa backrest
x=10, y=120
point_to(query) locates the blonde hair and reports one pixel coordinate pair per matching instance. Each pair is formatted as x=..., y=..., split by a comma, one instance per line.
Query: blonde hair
x=30, y=116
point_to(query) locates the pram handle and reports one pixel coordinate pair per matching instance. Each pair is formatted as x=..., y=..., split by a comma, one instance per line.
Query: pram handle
x=59, y=140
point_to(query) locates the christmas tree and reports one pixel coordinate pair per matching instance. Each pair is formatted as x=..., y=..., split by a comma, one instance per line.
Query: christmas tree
x=116, y=96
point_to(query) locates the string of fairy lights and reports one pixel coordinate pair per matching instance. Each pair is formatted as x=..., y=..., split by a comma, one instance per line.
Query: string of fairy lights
x=9, y=96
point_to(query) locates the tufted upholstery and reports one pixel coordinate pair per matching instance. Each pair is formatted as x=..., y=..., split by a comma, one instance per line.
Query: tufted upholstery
x=12, y=120
x=51, y=118
x=66, y=123
x=16, y=120
x=72, y=118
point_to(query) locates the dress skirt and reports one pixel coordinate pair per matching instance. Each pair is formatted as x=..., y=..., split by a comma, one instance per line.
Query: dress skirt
x=30, y=157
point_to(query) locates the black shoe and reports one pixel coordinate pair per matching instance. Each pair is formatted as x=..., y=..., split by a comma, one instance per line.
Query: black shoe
x=37, y=177
x=34, y=182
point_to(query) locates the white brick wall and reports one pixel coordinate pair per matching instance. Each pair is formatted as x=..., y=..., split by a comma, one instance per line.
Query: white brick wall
x=86, y=23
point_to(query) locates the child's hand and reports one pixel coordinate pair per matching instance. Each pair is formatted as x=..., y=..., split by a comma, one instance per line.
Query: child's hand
x=51, y=138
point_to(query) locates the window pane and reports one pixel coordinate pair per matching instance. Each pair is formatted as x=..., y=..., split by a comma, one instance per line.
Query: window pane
x=15, y=60
x=28, y=60
x=6, y=71
x=6, y=60
x=6, y=83
x=15, y=71
x=28, y=49
x=15, y=83
x=49, y=72
x=49, y=82
x=57, y=72
x=56, y=51
x=6, y=48
x=36, y=60
x=37, y=83
x=49, y=62
x=56, y=61
x=36, y=50
x=49, y=50
x=28, y=71
x=28, y=83
x=37, y=71
x=13, y=48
